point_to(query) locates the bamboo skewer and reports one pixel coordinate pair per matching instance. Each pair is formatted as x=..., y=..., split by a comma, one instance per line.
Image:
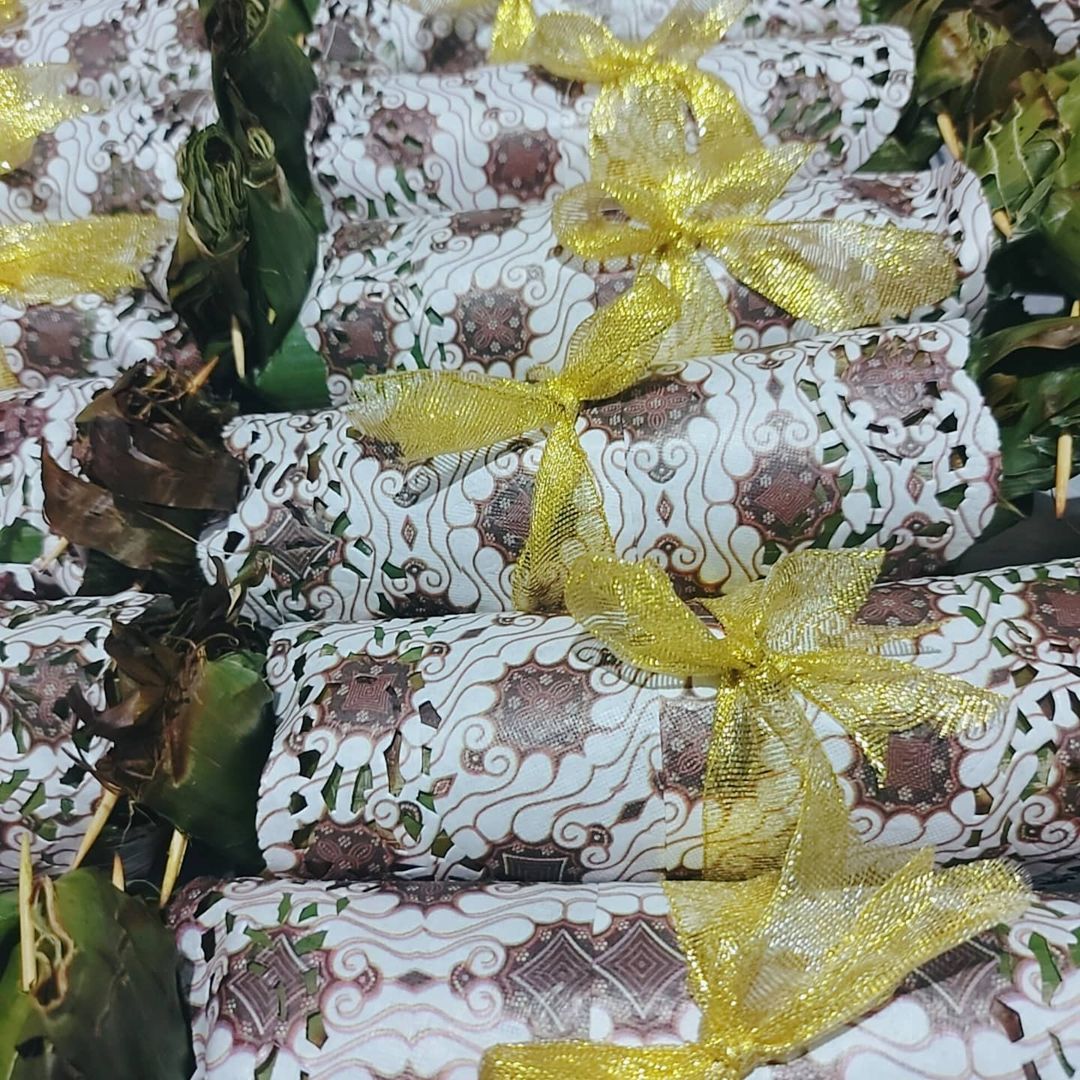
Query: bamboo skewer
x=27, y=950
x=118, y=879
x=106, y=805
x=1062, y=474
x=178, y=846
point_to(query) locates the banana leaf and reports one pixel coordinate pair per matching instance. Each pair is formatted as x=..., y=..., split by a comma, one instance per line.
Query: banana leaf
x=154, y=468
x=205, y=277
x=260, y=69
x=106, y=1004
x=968, y=57
x=1030, y=376
x=245, y=260
x=188, y=722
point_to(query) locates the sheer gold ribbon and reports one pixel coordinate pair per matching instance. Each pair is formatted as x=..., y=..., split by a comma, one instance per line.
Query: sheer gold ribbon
x=10, y=11
x=45, y=261
x=33, y=100
x=572, y=45
x=430, y=413
x=655, y=199
x=830, y=929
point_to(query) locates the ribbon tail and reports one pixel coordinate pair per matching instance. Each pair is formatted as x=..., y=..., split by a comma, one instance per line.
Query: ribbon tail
x=597, y=1061
x=705, y=325
x=426, y=413
x=567, y=523
x=750, y=792
x=34, y=99
x=37, y=264
x=839, y=274
x=515, y=23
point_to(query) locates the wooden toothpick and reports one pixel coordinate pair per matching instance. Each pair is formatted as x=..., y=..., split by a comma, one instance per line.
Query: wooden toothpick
x=106, y=805
x=177, y=850
x=949, y=136
x=27, y=944
x=1062, y=474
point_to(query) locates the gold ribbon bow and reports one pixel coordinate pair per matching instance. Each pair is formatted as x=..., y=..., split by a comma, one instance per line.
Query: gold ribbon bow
x=829, y=931
x=655, y=199
x=430, y=413
x=572, y=45
x=788, y=640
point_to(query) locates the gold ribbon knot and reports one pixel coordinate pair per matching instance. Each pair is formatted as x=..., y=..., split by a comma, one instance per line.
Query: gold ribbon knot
x=429, y=413
x=579, y=47
x=832, y=926
x=659, y=199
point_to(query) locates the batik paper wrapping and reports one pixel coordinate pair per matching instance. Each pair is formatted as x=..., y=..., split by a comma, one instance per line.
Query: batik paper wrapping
x=418, y=980
x=1062, y=19
x=47, y=789
x=492, y=291
x=146, y=49
x=509, y=136
x=515, y=747
x=864, y=438
x=120, y=160
x=91, y=336
x=365, y=39
x=30, y=419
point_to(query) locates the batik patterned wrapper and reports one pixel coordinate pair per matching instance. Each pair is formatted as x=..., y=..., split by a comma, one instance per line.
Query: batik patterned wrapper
x=493, y=291
x=122, y=160
x=29, y=420
x=1062, y=19
x=146, y=49
x=119, y=159
x=509, y=136
x=515, y=747
x=89, y=336
x=365, y=39
x=48, y=650
x=418, y=980
x=864, y=438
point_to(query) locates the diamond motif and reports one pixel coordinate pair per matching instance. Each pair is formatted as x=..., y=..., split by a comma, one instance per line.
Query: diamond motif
x=556, y=982
x=641, y=968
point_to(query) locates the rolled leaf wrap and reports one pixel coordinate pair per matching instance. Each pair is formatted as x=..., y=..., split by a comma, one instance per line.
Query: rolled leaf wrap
x=493, y=291
x=374, y=38
x=504, y=136
x=412, y=979
x=864, y=438
x=516, y=747
x=48, y=650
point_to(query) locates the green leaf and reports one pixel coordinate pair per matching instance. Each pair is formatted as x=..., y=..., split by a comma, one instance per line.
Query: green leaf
x=294, y=376
x=211, y=793
x=118, y=1014
x=21, y=543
